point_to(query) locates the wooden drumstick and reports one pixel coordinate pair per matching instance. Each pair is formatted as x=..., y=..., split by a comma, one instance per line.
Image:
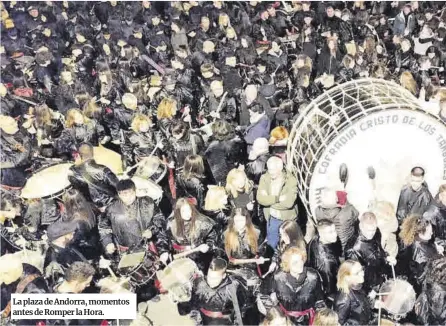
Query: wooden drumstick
x=186, y=253
x=249, y=261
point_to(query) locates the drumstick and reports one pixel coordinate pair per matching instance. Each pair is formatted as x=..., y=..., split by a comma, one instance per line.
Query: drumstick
x=186, y=253
x=249, y=261
x=111, y=271
x=140, y=162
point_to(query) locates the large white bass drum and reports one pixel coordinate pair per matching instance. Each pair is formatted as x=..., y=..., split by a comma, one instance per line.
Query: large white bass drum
x=365, y=123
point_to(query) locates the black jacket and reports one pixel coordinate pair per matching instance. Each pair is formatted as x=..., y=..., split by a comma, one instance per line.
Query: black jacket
x=190, y=144
x=345, y=219
x=325, y=259
x=371, y=255
x=71, y=138
x=95, y=181
x=436, y=215
x=353, y=308
x=42, y=212
x=192, y=188
x=139, y=145
x=413, y=202
x=413, y=260
x=217, y=299
x=299, y=294
x=124, y=225
x=434, y=304
x=16, y=151
x=224, y=155
x=204, y=232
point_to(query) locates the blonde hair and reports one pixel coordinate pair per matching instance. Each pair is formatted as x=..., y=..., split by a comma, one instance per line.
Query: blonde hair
x=213, y=200
x=326, y=317
x=290, y=252
x=70, y=117
x=344, y=271
x=412, y=226
x=91, y=109
x=221, y=18
x=233, y=175
x=408, y=82
x=166, y=108
x=278, y=133
x=138, y=120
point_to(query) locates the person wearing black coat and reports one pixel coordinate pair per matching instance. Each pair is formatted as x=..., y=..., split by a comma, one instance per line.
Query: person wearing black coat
x=416, y=234
x=183, y=143
x=298, y=289
x=128, y=220
x=16, y=152
x=225, y=151
x=351, y=303
x=214, y=296
x=367, y=250
x=95, y=181
x=414, y=197
x=431, y=305
x=436, y=214
x=15, y=274
x=192, y=182
x=324, y=252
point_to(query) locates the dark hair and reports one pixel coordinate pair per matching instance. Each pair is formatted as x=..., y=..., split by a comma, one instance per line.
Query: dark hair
x=180, y=128
x=441, y=32
x=292, y=229
x=417, y=171
x=218, y=264
x=79, y=271
x=125, y=184
x=257, y=108
x=77, y=208
x=179, y=222
x=221, y=129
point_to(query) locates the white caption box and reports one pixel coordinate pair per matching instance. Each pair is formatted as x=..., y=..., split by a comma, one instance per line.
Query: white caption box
x=73, y=306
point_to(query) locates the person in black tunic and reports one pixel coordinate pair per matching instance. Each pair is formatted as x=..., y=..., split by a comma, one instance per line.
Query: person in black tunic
x=351, y=302
x=414, y=197
x=324, y=251
x=298, y=289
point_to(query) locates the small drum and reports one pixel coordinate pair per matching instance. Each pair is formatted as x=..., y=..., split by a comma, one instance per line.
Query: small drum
x=48, y=182
x=248, y=277
x=177, y=279
x=149, y=188
x=398, y=297
x=109, y=158
x=138, y=267
x=151, y=168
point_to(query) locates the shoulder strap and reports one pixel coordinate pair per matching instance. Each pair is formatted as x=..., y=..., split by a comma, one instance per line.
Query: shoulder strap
x=20, y=288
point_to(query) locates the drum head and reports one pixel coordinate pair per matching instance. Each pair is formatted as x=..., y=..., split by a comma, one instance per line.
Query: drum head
x=131, y=260
x=47, y=182
x=398, y=296
x=109, y=158
x=178, y=272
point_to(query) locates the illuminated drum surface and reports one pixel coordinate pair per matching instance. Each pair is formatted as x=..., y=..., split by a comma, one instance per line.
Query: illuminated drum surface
x=362, y=123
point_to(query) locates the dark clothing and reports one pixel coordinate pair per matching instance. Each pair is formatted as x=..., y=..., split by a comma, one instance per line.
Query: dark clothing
x=413, y=202
x=15, y=157
x=345, y=219
x=71, y=138
x=124, y=225
x=413, y=260
x=95, y=181
x=433, y=311
x=204, y=231
x=190, y=144
x=42, y=212
x=371, y=255
x=255, y=169
x=353, y=308
x=325, y=259
x=192, y=188
x=204, y=298
x=36, y=286
x=299, y=294
x=138, y=145
x=436, y=215
x=224, y=155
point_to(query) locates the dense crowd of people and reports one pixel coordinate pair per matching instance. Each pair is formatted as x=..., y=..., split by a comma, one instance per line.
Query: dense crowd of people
x=191, y=105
